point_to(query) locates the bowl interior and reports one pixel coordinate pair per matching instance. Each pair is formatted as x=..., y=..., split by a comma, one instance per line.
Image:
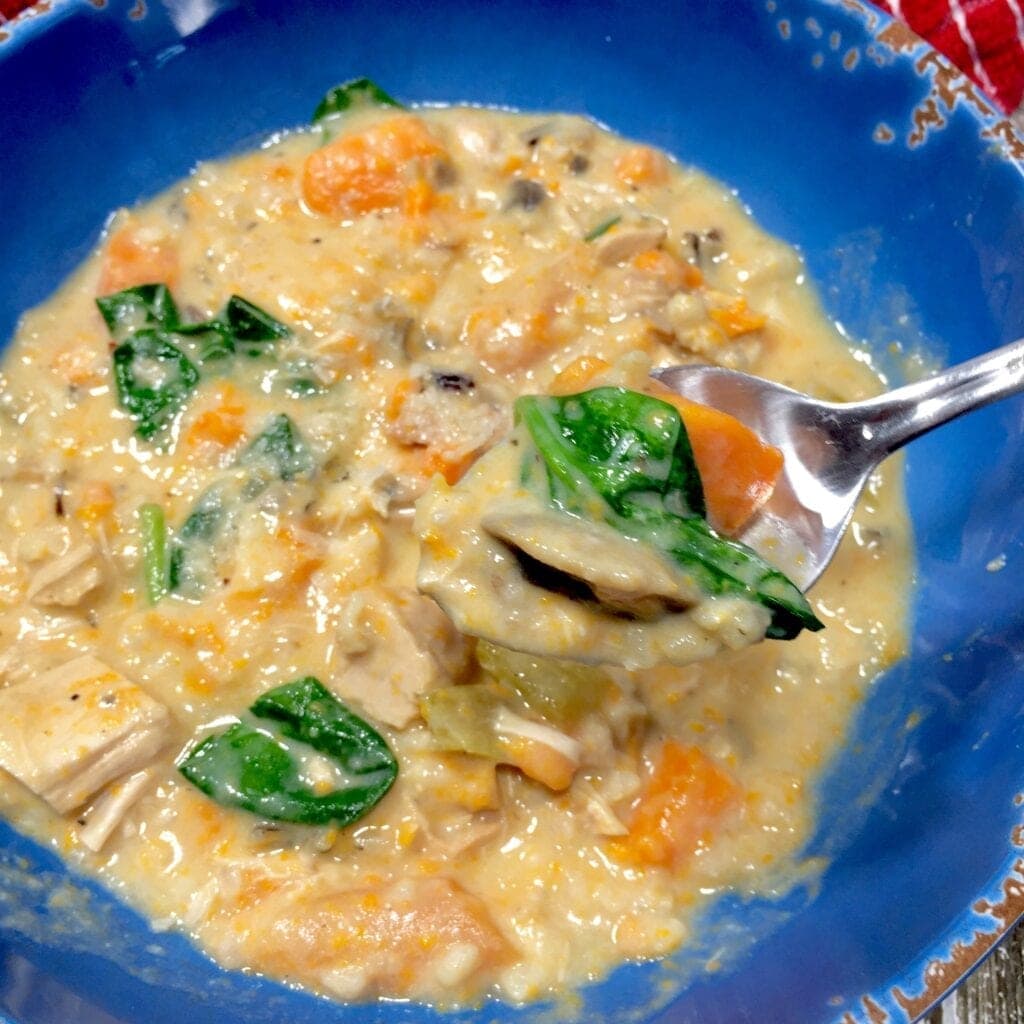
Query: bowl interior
x=914, y=247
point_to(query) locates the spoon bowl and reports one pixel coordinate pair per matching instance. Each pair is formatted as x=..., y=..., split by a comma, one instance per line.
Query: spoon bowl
x=831, y=448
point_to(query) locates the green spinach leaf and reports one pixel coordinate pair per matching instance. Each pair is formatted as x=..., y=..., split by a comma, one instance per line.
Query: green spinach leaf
x=277, y=452
x=148, y=305
x=153, y=542
x=356, y=92
x=279, y=446
x=624, y=458
x=190, y=550
x=147, y=326
x=153, y=379
x=630, y=449
x=253, y=769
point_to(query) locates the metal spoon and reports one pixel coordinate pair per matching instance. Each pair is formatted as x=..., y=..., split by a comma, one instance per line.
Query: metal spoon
x=830, y=448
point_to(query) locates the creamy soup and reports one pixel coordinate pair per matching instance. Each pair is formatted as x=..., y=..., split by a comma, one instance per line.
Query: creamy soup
x=222, y=692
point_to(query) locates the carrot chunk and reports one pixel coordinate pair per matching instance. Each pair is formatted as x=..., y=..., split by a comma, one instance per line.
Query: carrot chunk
x=578, y=374
x=397, y=398
x=360, y=173
x=133, y=258
x=451, y=465
x=684, y=801
x=736, y=320
x=641, y=165
x=738, y=470
x=676, y=274
x=224, y=423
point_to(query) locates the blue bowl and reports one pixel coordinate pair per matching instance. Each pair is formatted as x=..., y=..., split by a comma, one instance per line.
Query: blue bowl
x=845, y=136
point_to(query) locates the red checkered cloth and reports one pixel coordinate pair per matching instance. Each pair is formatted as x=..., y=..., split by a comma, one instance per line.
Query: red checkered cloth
x=9, y=8
x=984, y=38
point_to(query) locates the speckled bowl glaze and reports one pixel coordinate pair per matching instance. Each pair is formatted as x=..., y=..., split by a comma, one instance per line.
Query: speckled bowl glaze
x=846, y=136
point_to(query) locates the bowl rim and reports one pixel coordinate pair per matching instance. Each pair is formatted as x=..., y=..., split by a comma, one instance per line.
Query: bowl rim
x=974, y=934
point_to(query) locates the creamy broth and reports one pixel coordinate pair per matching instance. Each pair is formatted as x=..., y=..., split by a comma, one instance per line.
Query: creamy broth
x=476, y=259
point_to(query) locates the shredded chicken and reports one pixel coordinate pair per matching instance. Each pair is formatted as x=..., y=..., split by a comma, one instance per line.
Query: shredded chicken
x=70, y=731
x=97, y=822
x=599, y=814
x=458, y=422
x=398, y=645
x=458, y=832
x=66, y=580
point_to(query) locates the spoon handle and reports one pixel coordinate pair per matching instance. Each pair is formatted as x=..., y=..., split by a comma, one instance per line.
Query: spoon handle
x=891, y=420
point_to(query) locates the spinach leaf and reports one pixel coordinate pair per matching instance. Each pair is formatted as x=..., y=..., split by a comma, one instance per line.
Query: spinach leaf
x=623, y=458
x=193, y=541
x=252, y=769
x=153, y=378
x=725, y=567
x=147, y=325
x=247, y=322
x=278, y=451
x=240, y=325
x=280, y=447
x=153, y=542
x=629, y=448
x=148, y=305
x=211, y=340
x=356, y=92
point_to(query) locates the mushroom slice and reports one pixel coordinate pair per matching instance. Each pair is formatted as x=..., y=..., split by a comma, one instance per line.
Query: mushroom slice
x=486, y=586
x=623, y=243
x=623, y=574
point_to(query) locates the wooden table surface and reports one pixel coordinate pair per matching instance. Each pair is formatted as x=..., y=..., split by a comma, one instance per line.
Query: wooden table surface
x=994, y=994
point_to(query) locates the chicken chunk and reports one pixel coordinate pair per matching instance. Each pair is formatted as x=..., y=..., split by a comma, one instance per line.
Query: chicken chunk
x=70, y=731
x=66, y=580
x=449, y=415
x=398, y=645
x=97, y=823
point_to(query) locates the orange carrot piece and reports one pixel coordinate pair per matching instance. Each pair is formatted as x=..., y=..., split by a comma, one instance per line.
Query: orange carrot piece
x=130, y=259
x=693, y=276
x=736, y=320
x=684, y=801
x=361, y=173
x=95, y=502
x=641, y=165
x=397, y=398
x=738, y=470
x=418, y=199
x=658, y=263
x=451, y=467
x=578, y=374
x=224, y=424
